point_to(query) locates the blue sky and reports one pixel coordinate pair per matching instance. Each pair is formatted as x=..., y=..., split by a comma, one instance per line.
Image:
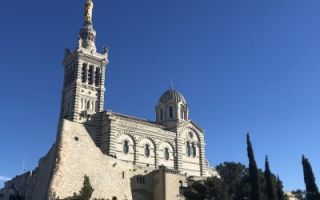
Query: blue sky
x=243, y=66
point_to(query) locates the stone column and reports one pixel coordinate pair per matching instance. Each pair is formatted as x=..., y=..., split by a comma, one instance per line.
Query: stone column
x=179, y=152
x=102, y=86
x=156, y=154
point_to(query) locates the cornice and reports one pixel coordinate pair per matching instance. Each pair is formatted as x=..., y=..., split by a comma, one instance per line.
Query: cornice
x=135, y=119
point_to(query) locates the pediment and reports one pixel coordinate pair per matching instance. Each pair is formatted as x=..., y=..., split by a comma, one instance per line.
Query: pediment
x=191, y=125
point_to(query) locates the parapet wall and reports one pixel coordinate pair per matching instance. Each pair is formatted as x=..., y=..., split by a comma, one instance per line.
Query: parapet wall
x=43, y=175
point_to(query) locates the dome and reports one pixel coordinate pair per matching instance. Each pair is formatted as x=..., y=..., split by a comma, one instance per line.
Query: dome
x=172, y=96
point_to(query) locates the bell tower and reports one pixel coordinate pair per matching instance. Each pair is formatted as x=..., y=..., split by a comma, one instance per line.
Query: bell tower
x=84, y=74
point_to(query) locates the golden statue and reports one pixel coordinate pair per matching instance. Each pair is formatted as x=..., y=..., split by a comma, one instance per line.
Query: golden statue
x=88, y=11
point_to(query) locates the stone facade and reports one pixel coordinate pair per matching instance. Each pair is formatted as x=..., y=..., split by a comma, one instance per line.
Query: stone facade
x=76, y=155
x=125, y=157
x=83, y=88
x=152, y=145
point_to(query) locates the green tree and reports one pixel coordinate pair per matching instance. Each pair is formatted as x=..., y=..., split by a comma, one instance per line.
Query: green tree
x=217, y=189
x=195, y=191
x=212, y=188
x=253, y=173
x=299, y=194
x=280, y=193
x=312, y=192
x=234, y=184
x=268, y=177
x=235, y=176
x=85, y=192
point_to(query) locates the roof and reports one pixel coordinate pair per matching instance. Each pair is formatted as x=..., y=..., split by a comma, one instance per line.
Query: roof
x=144, y=121
x=172, y=95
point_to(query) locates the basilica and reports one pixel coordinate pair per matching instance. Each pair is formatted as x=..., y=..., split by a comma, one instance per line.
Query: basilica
x=125, y=157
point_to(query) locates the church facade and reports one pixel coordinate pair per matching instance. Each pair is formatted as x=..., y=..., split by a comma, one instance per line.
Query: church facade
x=125, y=157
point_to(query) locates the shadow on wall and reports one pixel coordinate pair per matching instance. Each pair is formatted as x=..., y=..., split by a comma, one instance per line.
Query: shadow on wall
x=141, y=187
x=93, y=125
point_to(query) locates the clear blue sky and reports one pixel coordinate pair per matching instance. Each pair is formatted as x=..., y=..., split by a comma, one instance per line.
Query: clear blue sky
x=242, y=65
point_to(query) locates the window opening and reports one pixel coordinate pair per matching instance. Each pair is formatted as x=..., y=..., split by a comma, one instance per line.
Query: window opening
x=188, y=149
x=147, y=150
x=84, y=75
x=166, y=153
x=194, y=150
x=170, y=112
x=126, y=147
x=90, y=79
x=98, y=77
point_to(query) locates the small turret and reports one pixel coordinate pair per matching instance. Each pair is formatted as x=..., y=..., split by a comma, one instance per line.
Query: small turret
x=172, y=108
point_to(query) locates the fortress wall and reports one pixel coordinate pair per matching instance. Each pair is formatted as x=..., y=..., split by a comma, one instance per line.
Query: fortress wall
x=43, y=175
x=79, y=156
x=32, y=185
x=20, y=185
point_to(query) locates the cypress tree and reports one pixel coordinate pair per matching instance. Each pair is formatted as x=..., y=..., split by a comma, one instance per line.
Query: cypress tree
x=253, y=173
x=280, y=193
x=312, y=192
x=87, y=190
x=269, y=187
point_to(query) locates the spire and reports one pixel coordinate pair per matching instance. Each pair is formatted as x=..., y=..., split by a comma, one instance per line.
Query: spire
x=171, y=85
x=87, y=33
x=88, y=12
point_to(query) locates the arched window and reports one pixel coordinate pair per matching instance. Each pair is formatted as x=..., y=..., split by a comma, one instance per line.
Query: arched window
x=191, y=135
x=194, y=150
x=170, y=112
x=126, y=147
x=97, y=77
x=147, y=150
x=88, y=105
x=84, y=74
x=91, y=76
x=114, y=198
x=166, y=153
x=188, y=152
x=182, y=112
